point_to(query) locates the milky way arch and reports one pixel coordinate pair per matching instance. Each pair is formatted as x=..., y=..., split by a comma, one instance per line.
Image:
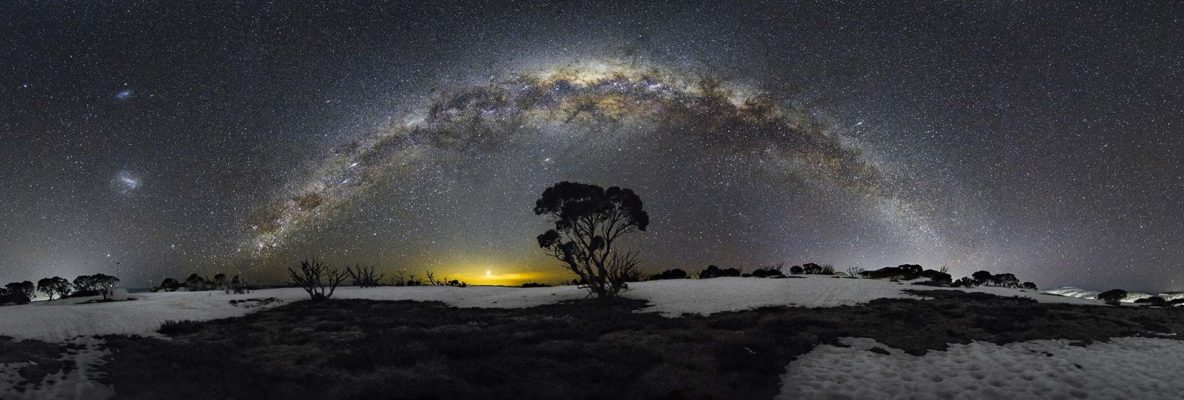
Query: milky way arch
x=583, y=99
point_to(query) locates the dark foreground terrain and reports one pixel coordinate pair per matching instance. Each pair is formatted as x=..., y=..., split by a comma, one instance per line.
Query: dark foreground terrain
x=360, y=349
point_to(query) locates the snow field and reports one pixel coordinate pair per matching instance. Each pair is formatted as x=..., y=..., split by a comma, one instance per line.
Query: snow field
x=61, y=320
x=1124, y=368
x=80, y=383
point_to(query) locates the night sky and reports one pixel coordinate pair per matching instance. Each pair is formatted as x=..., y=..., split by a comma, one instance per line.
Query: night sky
x=152, y=139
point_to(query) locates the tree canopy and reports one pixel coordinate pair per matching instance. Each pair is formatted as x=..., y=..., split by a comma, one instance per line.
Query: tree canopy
x=588, y=222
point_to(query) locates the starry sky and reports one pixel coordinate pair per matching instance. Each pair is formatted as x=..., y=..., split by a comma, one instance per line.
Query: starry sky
x=151, y=139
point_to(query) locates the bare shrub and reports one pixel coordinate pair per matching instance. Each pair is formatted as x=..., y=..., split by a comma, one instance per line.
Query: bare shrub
x=1113, y=297
x=364, y=276
x=622, y=267
x=400, y=278
x=315, y=277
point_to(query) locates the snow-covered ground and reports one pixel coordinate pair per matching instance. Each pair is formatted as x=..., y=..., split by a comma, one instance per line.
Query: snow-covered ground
x=1131, y=297
x=69, y=320
x=1124, y=368
x=80, y=383
x=60, y=320
x=57, y=321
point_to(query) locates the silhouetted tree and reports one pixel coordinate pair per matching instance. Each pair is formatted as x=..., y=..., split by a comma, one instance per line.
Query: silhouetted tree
x=812, y=268
x=1029, y=286
x=413, y=281
x=239, y=285
x=220, y=282
x=588, y=222
x=855, y=272
x=981, y=277
x=1112, y=297
x=796, y=270
x=104, y=283
x=398, y=278
x=364, y=276
x=57, y=285
x=315, y=277
x=21, y=292
x=170, y=285
x=84, y=285
x=196, y=282
x=1005, y=280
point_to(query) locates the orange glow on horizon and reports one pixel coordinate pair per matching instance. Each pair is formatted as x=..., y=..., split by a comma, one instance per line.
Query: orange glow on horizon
x=495, y=277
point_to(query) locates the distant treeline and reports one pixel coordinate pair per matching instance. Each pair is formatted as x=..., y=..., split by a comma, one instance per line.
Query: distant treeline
x=58, y=287
x=905, y=272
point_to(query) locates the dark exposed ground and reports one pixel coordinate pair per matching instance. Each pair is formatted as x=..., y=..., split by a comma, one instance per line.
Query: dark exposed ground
x=586, y=349
x=578, y=350
x=44, y=358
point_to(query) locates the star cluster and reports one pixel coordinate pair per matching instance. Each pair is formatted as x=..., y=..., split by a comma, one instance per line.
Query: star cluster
x=153, y=141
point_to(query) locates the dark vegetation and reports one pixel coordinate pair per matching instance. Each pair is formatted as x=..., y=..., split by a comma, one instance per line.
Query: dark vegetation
x=942, y=278
x=45, y=359
x=717, y=272
x=670, y=274
x=815, y=269
x=985, y=278
x=433, y=281
x=589, y=220
x=771, y=271
x=17, y=293
x=590, y=349
x=1153, y=301
x=317, y=279
x=908, y=272
x=364, y=276
x=58, y=288
x=196, y=282
x=401, y=278
x=1113, y=296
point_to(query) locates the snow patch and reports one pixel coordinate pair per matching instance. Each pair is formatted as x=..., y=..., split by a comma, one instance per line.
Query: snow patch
x=60, y=320
x=1131, y=297
x=80, y=383
x=708, y=296
x=1124, y=368
x=57, y=321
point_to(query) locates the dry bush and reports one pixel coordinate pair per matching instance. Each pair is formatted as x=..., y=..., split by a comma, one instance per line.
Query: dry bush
x=364, y=276
x=317, y=278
